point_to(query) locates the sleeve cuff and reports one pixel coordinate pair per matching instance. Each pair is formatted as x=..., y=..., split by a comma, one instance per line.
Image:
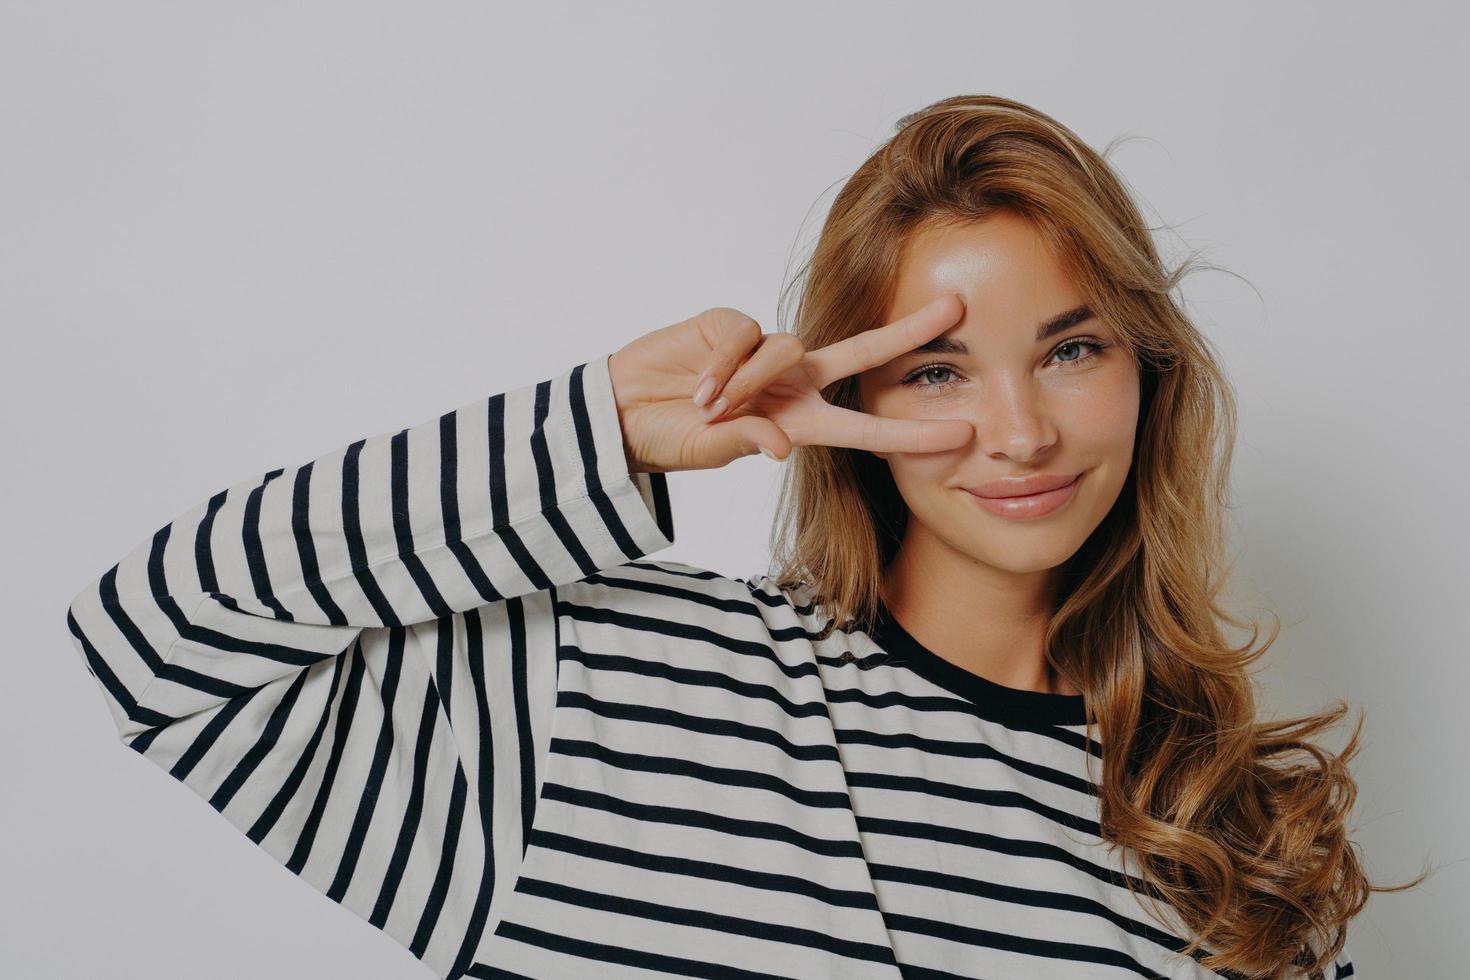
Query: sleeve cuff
x=637, y=504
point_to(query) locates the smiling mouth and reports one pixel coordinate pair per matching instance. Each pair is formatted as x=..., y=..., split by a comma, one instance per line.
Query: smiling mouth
x=1031, y=504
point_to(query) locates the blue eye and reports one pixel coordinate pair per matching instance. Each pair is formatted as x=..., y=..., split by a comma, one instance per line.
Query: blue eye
x=914, y=378
x=1096, y=345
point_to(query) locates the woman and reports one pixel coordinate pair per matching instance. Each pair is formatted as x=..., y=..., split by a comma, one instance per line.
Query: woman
x=983, y=722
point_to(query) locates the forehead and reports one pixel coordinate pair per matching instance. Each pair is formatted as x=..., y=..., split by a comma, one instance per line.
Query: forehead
x=1001, y=265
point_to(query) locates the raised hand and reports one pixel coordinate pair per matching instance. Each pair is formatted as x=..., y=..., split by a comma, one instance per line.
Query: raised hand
x=762, y=392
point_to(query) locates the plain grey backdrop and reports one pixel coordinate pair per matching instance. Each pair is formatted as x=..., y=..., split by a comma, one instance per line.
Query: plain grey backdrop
x=238, y=235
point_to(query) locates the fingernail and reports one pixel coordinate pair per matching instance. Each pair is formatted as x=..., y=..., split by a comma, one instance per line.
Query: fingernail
x=769, y=454
x=715, y=407
x=705, y=389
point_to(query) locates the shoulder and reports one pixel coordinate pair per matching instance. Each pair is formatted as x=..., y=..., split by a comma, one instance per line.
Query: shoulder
x=684, y=592
x=678, y=593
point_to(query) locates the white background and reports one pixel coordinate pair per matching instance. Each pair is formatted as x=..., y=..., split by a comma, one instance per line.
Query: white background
x=239, y=235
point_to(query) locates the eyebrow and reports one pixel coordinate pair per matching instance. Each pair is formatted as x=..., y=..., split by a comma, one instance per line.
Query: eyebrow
x=1048, y=328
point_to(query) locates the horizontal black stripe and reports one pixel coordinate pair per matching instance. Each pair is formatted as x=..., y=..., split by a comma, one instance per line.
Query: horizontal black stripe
x=709, y=870
x=1043, y=948
x=968, y=794
x=685, y=817
x=964, y=750
x=717, y=775
x=639, y=622
x=931, y=703
x=669, y=718
x=700, y=919
x=1031, y=897
x=1039, y=850
x=693, y=677
x=603, y=952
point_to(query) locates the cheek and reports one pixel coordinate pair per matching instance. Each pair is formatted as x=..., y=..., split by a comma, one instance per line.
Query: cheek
x=1102, y=416
x=1105, y=429
x=917, y=472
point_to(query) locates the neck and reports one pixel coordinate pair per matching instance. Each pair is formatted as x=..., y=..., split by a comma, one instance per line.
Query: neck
x=983, y=619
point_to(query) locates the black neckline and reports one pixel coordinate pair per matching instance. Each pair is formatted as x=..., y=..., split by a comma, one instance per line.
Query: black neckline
x=1011, y=706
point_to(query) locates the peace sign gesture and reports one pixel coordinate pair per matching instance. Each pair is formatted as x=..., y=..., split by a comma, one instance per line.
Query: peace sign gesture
x=713, y=388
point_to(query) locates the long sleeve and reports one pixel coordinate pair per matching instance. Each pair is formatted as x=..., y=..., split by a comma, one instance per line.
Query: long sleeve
x=353, y=660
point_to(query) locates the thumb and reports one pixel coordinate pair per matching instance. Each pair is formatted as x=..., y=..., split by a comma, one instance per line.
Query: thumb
x=747, y=435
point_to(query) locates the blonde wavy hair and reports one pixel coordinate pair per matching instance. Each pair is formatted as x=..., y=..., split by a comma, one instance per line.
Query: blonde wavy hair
x=1236, y=823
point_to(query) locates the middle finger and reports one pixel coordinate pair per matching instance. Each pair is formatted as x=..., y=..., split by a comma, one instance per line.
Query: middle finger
x=878, y=346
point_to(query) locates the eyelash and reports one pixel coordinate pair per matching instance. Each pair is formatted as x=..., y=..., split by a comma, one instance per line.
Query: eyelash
x=911, y=379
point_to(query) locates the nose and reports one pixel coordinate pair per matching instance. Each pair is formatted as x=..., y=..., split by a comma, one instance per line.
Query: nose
x=1013, y=420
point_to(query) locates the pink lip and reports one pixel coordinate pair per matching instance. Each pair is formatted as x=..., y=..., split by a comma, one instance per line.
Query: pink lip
x=1029, y=505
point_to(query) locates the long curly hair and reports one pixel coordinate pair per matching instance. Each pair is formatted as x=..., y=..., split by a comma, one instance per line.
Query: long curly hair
x=1237, y=824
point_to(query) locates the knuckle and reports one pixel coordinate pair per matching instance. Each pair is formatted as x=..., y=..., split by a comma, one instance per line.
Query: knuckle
x=725, y=321
x=748, y=330
x=787, y=346
x=731, y=318
x=737, y=333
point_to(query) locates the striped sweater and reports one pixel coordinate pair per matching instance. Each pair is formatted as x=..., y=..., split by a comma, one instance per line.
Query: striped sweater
x=435, y=675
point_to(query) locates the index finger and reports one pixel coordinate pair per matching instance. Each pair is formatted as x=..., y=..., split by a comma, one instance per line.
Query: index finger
x=837, y=426
x=878, y=346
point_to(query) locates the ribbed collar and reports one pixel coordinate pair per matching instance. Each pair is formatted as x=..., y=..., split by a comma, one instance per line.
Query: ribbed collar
x=1010, y=706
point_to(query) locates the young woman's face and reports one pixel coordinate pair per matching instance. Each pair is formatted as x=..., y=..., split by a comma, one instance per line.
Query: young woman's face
x=1058, y=406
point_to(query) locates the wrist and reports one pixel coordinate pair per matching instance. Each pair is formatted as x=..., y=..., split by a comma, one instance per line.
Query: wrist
x=612, y=373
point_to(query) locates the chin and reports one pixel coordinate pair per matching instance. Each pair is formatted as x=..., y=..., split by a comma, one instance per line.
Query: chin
x=1017, y=546
x=1025, y=564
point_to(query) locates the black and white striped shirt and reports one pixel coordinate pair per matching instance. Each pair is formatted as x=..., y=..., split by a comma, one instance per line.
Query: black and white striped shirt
x=435, y=676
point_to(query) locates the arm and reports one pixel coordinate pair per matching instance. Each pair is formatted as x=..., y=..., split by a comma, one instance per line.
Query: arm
x=353, y=659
